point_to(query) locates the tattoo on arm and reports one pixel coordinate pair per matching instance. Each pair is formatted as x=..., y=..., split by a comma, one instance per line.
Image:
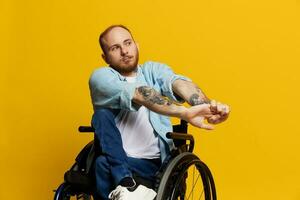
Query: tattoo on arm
x=152, y=96
x=195, y=98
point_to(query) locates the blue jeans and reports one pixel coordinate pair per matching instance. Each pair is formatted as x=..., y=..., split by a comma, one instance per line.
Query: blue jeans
x=113, y=164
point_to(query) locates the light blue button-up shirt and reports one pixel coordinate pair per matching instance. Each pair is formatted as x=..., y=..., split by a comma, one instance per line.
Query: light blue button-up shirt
x=109, y=89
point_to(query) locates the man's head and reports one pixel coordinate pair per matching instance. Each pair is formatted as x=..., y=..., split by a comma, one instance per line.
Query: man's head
x=120, y=50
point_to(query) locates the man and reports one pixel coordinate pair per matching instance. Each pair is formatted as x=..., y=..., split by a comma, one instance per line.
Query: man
x=132, y=103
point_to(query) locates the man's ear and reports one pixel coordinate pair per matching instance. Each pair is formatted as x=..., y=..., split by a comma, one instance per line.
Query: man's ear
x=137, y=45
x=104, y=58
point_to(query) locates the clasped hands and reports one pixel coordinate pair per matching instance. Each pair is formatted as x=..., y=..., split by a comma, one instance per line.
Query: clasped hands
x=213, y=112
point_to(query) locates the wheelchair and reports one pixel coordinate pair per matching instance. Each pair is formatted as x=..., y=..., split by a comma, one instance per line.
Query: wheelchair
x=182, y=176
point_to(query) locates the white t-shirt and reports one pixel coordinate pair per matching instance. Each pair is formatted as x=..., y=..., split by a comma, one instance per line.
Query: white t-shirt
x=138, y=137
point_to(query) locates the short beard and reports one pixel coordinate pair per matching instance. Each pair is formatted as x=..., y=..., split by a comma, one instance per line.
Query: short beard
x=126, y=70
x=129, y=68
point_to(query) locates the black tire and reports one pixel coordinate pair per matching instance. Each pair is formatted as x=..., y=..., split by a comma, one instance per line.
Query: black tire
x=211, y=180
x=65, y=192
x=173, y=184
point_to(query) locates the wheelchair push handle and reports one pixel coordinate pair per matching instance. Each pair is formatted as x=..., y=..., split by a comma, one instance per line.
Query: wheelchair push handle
x=184, y=137
x=86, y=129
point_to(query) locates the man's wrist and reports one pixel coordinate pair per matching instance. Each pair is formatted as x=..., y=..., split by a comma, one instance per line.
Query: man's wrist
x=182, y=112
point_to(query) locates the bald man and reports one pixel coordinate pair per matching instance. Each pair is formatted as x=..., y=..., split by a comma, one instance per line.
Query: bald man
x=132, y=104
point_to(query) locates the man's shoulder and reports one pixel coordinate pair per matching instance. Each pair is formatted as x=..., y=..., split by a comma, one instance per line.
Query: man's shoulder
x=153, y=65
x=101, y=71
x=101, y=75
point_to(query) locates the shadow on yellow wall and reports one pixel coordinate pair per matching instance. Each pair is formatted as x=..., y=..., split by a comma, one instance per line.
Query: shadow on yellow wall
x=243, y=53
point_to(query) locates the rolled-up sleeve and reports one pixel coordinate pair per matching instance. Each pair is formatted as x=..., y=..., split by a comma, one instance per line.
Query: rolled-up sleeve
x=108, y=91
x=165, y=77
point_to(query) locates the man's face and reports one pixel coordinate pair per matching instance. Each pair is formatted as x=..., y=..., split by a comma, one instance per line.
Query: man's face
x=121, y=52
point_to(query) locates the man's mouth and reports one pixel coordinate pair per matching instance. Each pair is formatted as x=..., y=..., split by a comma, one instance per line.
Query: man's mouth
x=127, y=58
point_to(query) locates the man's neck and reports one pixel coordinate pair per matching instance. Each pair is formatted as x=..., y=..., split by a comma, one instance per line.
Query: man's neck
x=130, y=74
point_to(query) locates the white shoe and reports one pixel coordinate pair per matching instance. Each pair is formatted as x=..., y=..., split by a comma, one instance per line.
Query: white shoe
x=140, y=193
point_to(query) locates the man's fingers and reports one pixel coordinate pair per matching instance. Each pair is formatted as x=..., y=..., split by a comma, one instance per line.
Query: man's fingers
x=206, y=126
x=203, y=109
x=213, y=106
x=214, y=119
x=199, y=122
x=221, y=108
x=227, y=109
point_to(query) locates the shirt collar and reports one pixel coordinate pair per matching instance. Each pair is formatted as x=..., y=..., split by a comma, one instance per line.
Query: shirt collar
x=123, y=78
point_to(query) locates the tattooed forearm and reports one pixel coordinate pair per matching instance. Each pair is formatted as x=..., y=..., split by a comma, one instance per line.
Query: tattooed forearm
x=190, y=92
x=152, y=96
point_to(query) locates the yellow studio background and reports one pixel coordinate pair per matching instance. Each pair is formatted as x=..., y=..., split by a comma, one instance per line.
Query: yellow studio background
x=243, y=53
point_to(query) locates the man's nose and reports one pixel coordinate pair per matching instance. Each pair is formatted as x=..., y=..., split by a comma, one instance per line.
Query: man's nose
x=124, y=51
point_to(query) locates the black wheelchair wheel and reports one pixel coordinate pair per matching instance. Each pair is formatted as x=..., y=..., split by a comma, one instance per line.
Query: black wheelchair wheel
x=186, y=177
x=65, y=192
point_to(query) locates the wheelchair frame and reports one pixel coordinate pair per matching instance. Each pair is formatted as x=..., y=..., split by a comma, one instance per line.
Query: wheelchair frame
x=170, y=181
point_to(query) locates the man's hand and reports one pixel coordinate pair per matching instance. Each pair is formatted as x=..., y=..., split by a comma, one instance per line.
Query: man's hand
x=192, y=94
x=196, y=116
x=214, y=113
x=220, y=112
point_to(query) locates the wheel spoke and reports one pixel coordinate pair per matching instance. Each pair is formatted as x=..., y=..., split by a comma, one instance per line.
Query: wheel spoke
x=194, y=187
x=193, y=180
x=201, y=194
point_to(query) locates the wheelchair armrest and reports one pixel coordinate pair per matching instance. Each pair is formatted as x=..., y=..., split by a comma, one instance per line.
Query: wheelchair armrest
x=182, y=136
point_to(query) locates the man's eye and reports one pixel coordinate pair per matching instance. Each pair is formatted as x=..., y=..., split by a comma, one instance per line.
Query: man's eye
x=114, y=48
x=128, y=43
